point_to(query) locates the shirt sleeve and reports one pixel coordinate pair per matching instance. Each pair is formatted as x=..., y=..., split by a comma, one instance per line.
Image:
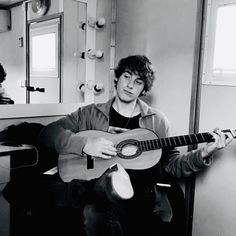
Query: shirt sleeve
x=62, y=135
x=183, y=165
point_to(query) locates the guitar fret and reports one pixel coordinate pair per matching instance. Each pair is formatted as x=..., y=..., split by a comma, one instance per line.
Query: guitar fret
x=183, y=141
x=165, y=142
x=174, y=141
x=159, y=143
x=179, y=140
x=208, y=137
x=145, y=145
x=153, y=144
x=169, y=142
x=162, y=142
x=195, y=136
x=188, y=137
x=142, y=146
x=150, y=144
x=201, y=138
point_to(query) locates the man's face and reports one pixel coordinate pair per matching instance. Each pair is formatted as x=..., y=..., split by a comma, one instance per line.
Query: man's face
x=129, y=86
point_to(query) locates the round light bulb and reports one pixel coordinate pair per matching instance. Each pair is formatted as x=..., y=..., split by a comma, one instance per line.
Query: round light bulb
x=100, y=22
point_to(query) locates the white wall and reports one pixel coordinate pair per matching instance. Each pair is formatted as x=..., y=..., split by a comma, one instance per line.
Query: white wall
x=165, y=32
x=215, y=193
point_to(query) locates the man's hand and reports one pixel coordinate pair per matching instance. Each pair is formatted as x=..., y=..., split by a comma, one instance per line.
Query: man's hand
x=221, y=140
x=100, y=147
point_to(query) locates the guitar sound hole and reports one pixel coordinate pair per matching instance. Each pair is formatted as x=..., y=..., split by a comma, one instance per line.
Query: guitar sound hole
x=128, y=149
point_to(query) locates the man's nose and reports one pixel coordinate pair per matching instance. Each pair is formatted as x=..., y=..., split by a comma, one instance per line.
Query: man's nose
x=130, y=83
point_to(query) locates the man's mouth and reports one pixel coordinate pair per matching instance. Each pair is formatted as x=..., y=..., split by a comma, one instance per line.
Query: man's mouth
x=127, y=92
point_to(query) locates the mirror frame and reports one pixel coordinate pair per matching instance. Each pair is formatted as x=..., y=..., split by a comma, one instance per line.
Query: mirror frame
x=58, y=109
x=37, y=110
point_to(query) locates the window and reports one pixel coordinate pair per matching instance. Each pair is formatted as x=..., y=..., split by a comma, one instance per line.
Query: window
x=220, y=47
x=44, y=49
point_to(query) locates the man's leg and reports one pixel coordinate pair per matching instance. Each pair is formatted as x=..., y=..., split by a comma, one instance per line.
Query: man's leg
x=114, y=185
x=104, y=216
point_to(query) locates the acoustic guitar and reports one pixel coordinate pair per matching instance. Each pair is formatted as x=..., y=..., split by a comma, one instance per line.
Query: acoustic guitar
x=137, y=149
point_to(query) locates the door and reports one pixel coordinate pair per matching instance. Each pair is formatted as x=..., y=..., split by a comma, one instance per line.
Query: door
x=44, y=82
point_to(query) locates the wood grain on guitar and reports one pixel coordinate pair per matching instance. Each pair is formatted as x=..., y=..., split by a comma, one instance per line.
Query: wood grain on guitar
x=137, y=149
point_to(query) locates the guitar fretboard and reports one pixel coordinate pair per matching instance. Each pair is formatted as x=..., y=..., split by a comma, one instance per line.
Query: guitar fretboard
x=174, y=141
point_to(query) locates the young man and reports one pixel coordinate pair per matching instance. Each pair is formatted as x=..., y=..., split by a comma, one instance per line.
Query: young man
x=148, y=209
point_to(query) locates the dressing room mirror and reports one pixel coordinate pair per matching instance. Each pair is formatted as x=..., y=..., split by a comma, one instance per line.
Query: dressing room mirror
x=43, y=53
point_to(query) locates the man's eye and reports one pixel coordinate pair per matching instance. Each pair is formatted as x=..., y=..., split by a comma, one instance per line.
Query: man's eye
x=139, y=82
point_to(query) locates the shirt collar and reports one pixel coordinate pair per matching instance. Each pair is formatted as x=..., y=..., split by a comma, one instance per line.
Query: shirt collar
x=105, y=107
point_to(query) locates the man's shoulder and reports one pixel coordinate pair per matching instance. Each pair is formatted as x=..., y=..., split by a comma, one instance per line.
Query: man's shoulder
x=150, y=110
x=100, y=107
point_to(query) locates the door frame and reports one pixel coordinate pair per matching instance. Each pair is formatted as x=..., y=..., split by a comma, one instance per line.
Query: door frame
x=59, y=16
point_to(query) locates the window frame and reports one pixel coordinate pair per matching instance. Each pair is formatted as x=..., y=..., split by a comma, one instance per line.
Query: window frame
x=41, y=28
x=208, y=78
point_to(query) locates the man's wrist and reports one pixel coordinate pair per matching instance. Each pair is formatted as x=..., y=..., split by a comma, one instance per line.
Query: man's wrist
x=206, y=156
x=205, y=153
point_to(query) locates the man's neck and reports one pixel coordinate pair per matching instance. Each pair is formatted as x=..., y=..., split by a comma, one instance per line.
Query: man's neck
x=128, y=109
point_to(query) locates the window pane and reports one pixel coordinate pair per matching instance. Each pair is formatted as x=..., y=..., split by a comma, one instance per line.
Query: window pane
x=44, y=52
x=225, y=40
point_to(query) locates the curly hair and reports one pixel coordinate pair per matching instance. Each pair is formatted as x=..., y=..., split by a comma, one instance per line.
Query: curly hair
x=3, y=74
x=139, y=65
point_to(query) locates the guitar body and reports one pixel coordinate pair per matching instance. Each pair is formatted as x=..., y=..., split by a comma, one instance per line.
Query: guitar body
x=129, y=155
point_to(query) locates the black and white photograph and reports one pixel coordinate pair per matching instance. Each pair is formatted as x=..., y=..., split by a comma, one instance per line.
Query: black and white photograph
x=117, y=117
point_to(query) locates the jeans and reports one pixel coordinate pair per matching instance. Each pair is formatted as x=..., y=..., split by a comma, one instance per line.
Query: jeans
x=99, y=212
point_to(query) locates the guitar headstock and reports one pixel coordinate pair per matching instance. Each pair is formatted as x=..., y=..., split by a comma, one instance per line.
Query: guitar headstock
x=233, y=132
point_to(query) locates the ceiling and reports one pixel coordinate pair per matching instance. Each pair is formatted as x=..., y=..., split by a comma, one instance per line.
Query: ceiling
x=6, y=3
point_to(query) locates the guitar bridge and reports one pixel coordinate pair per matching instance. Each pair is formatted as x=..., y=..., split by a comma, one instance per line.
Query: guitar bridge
x=90, y=162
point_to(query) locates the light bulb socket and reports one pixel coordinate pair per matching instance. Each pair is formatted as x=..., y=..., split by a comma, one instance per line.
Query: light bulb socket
x=82, y=87
x=83, y=26
x=82, y=55
x=100, y=23
x=97, y=88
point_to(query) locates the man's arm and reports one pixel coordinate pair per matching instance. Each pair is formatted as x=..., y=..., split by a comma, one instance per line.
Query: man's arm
x=62, y=135
x=183, y=165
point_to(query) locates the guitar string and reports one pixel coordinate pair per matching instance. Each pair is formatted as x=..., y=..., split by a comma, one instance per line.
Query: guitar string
x=146, y=142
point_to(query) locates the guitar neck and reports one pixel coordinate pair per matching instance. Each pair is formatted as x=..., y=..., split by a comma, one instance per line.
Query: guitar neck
x=177, y=141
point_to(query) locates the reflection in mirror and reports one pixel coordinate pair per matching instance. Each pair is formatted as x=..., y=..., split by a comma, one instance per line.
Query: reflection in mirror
x=12, y=55
x=23, y=49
